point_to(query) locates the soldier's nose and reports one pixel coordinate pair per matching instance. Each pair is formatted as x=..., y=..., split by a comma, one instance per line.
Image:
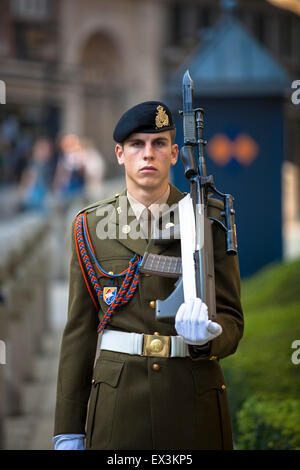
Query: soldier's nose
x=148, y=151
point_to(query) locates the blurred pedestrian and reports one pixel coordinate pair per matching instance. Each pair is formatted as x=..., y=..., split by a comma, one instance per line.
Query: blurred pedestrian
x=94, y=170
x=35, y=179
x=69, y=176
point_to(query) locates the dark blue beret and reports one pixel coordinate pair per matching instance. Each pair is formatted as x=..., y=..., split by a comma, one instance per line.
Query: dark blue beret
x=149, y=117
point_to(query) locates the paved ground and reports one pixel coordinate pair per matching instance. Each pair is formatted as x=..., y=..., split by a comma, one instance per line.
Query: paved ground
x=33, y=429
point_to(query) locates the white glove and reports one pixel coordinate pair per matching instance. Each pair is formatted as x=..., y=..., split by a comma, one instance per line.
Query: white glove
x=192, y=323
x=69, y=442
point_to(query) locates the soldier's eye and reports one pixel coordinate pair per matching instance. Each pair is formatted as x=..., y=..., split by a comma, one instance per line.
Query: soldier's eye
x=160, y=143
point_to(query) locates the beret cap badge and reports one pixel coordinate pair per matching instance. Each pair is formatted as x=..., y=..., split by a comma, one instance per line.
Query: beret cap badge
x=161, y=119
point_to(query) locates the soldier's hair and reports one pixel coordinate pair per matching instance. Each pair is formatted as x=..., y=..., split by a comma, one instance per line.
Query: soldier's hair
x=173, y=136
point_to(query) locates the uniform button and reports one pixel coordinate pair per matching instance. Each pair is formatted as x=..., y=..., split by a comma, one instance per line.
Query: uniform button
x=125, y=229
x=169, y=225
x=156, y=333
x=93, y=381
x=111, y=273
x=147, y=275
x=223, y=387
x=152, y=303
x=117, y=195
x=213, y=358
x=156, y=367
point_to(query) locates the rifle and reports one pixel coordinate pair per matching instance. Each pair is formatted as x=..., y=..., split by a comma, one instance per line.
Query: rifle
x=195, y=270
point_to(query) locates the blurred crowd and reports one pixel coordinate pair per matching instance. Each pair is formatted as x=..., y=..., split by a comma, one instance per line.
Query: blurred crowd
x=40, y=170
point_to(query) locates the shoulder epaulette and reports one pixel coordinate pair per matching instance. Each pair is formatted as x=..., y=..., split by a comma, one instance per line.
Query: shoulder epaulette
x=97, y=204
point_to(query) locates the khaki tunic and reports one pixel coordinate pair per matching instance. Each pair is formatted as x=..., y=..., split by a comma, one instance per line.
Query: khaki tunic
x=180, y=403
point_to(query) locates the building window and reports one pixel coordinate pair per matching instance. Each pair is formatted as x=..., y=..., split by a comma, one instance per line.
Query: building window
x=260, y=27
x=285, y=36
x=30, y=9
x=204, y=17
x=176, y=22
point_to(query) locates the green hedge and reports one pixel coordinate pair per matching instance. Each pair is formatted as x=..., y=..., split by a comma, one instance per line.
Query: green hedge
x=264, y=424
x=262, y=365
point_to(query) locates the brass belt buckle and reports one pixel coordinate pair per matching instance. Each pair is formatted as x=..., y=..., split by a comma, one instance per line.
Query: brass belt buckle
x=156, y=345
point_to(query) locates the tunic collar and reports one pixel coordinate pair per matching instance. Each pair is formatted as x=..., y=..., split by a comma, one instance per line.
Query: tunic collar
x=139, y=208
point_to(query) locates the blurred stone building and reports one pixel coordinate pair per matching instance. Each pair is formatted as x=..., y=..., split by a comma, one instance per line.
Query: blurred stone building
x=74, y=66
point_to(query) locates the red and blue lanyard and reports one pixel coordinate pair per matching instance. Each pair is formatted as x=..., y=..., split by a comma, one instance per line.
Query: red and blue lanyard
x=85, y=252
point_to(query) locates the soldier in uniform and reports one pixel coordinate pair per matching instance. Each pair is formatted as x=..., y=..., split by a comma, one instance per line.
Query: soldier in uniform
x=153, y=384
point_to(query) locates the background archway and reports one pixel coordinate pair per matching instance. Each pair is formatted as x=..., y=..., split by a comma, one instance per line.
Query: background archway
x=101, y=81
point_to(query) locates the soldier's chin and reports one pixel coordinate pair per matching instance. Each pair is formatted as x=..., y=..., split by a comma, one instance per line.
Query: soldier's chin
x=150, y=180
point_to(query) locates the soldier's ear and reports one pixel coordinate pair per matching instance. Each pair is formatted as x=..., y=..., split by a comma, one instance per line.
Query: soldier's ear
x=119, y=151
x=174, y=154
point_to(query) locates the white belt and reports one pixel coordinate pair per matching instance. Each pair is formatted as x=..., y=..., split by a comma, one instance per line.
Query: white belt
x=144, y=345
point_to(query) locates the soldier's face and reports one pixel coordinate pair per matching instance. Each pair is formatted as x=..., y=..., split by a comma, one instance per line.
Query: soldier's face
x=147, y=158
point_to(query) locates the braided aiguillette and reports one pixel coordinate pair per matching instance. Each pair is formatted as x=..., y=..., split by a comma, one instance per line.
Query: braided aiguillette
x=131, y=274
